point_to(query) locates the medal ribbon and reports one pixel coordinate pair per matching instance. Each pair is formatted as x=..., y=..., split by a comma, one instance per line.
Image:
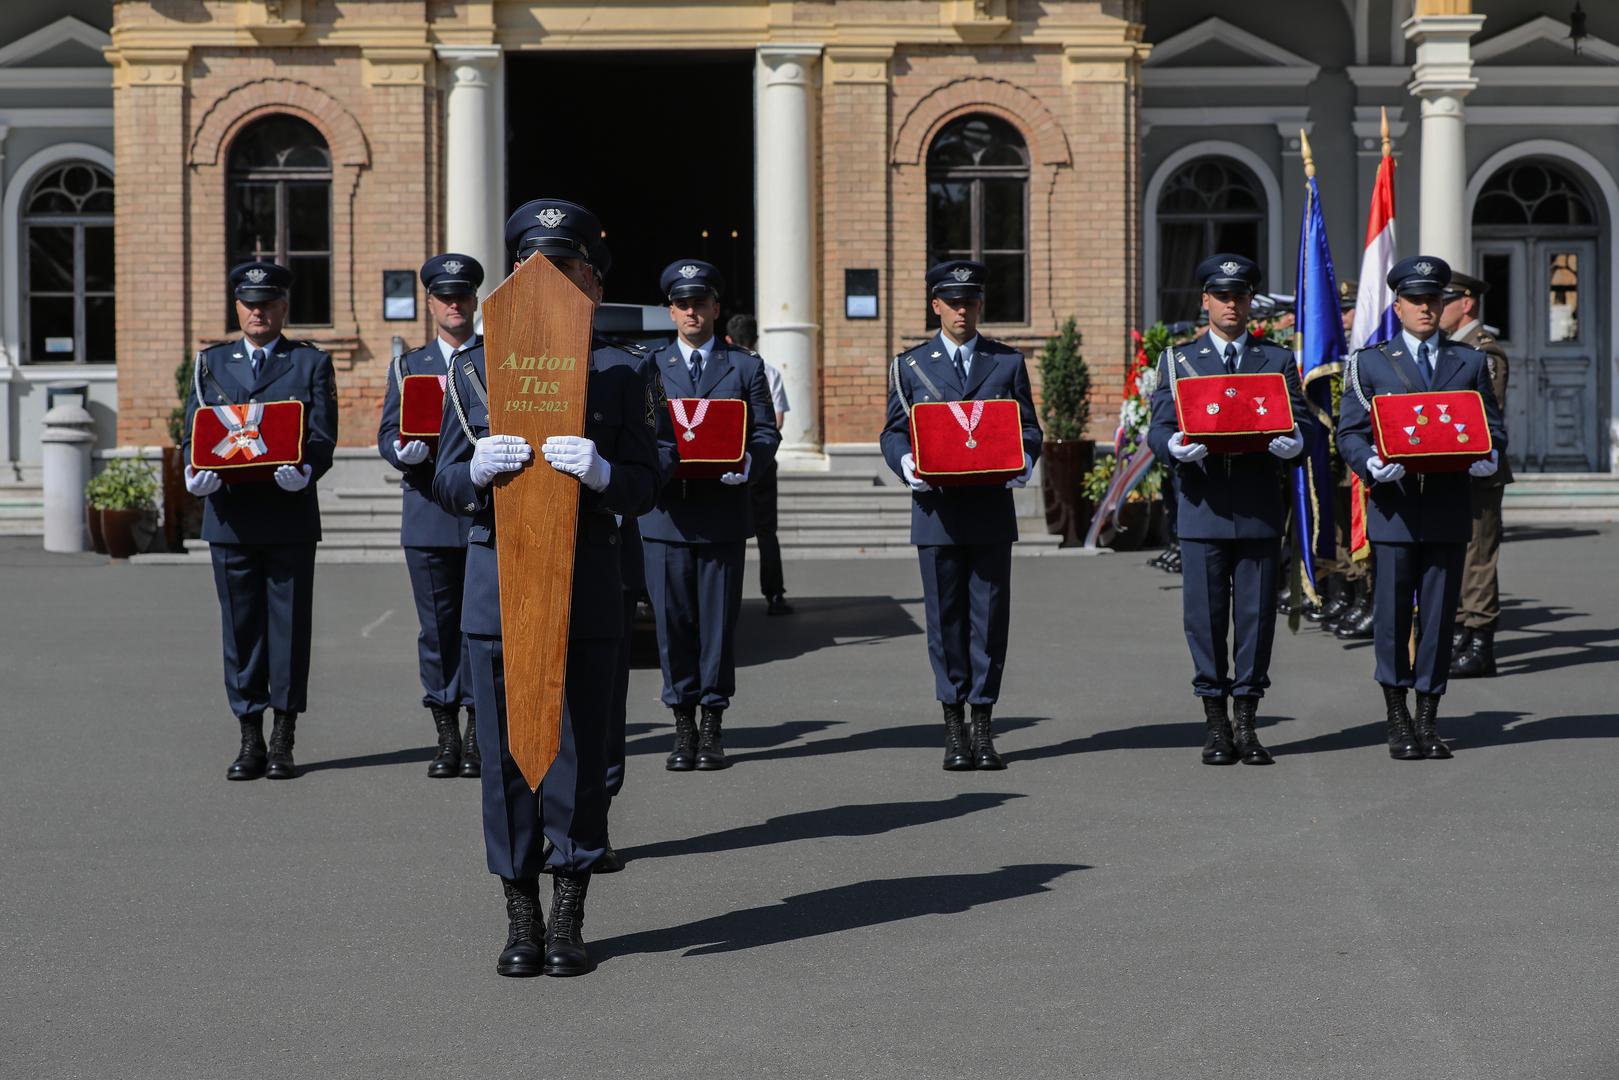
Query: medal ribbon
x=678, y=407
x=241, y=431
x=969, y=426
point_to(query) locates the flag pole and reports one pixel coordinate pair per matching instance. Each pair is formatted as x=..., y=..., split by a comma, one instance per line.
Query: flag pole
x=1388, y=147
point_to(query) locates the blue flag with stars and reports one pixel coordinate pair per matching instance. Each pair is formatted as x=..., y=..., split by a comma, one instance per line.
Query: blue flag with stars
x=1320, y=348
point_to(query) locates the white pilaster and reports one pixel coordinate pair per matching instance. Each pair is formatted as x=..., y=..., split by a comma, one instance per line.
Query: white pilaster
x=785, y=151
x=1442, y=77
x=473, y=211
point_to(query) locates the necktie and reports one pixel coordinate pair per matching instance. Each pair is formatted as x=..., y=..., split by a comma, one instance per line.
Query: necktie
x=696, y=368
x=1230, y=359
x=961, y=370
x=1422, y=362
x=258, y=361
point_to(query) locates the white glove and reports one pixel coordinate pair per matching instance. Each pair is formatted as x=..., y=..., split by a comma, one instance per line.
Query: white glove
x=292, y=477
x=907, y=468
x=1186, y=452
x=202, y=483
x=411, y=453
x=1383, y=473
x=1022, y=478
x=1486, y=467
x=1288, y=447
x=579, y=458
x=496, y=454
x=735, y=478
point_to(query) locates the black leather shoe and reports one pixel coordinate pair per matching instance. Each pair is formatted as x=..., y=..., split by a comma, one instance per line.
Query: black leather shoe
x=683, y=758
x=984, y=755
x=446, y=763
x=471, y=760
x=280, y=764
x=250, y=759
x=611, y=861
x=777, y=605
x=1357, y=623
x=958, y=755
x=1334, y=608
x=1478, y=662
x=1459, y=638
x=1244, y=740
x=523, y=957
x=1427, y=728
x=1403, y=745
x=710, y=741
x=1172, y=561
x=565, y=952
x=1217, y=747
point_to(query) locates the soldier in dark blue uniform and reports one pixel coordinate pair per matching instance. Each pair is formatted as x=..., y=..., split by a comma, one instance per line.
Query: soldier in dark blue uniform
x=963, y=535
x=1230, y=513
x=616, y=463
x=261, y=536
x=434, y=538
x=1418, y=524
x=696, y=538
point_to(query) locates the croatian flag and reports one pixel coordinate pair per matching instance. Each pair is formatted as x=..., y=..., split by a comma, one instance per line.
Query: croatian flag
x=1375, y=320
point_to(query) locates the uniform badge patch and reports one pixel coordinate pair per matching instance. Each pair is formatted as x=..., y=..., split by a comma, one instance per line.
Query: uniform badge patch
x=1424, y=268
x=1230, y=267
x=688, y=271
x=551, y=217
x=453, y=265
x=256, y=275
x=962, y=273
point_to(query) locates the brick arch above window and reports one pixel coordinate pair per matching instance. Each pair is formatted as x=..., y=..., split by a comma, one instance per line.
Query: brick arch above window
x=255, y=100
x=1048, y=143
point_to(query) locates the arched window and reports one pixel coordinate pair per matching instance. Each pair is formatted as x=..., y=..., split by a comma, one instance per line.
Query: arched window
x=1211, y=204
x=978, y=208
x=68, y=268
x=1532, y=193
x=280, y=209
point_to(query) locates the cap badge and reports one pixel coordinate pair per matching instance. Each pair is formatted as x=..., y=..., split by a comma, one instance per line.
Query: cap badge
x=453, y=266
x=1230, y=267
x=256, y=275
x=551, y=217
x=962, y=273
x=1424, y=268
x=688, y=271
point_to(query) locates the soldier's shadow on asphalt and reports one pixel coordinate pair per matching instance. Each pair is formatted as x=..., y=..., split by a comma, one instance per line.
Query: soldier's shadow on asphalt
x=1472, y=732
x=821, y=622
x=1525, y=626
x=836, y=910
x=371, y=761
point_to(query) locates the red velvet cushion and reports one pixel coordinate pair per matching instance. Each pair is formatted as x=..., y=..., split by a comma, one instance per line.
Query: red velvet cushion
x=1224, y=411
x=939, y=443
x=1437, y=431
x=255, y=453
x=714, y=445
x=421, y=408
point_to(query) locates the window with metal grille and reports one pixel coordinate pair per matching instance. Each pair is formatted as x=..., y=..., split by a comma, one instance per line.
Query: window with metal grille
x=978, y=208
x=1211, y=204
x=68, y=266
x=280, y=210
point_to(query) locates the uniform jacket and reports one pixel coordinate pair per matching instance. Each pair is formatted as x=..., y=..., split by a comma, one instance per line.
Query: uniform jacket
x=707, y=511
x=1429, y=508
x=1228, y=496
x=262, y=513
x=1495, y=358
x=423, y=522
x=621, y=419
x=629, y=532
x=960, y=515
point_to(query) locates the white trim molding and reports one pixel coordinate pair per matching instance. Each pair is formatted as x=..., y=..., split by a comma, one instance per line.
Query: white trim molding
x=46, y=38
x=1272, y=65
x=1380, y=76
x=1544, y=115
x=1286, y=119
x=1541, y=30
x=1155, y=187
x=57, y=118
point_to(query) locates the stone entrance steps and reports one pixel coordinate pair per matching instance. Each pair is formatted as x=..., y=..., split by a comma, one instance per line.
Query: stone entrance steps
x=1561, y=498
x=22, y=508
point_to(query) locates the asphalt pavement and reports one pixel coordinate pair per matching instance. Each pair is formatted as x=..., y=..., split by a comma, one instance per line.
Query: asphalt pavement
x=834, y=905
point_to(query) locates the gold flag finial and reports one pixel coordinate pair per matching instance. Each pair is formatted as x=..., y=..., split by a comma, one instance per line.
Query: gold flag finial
x=1309, y=159
x=1387, y=146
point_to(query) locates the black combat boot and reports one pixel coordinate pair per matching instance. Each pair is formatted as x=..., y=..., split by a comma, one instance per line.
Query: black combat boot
x=1403, y=745
x=1356, y=623
x=447, y=763
x=710, y=741
x=471, y=760
x=564, y=939
x=683, y=758
x=281, y=766
x=249, y=763
x=958, y=755
x=984, y=755
x=1459, y=637
x=1217, y=748
x=1244, y=710
x=1427, y=728
x=525, y=928
x=1478, y=662
x=1339, y=593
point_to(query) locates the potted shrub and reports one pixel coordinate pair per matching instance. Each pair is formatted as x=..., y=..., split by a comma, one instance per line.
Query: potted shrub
x=94, y=495
x=128, y=510
x=1068, y=453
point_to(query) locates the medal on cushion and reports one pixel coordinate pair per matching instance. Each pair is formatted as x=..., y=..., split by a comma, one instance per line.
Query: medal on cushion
x=1461, y=433
x=969, y=425
x=1411, y=433
x=1259, y=406
x=678, y=407
x=1420, y=418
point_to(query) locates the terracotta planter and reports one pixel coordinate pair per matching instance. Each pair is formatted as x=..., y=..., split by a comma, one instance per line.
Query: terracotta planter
x=92, y=519
x=127, y=532
x=1063, y=465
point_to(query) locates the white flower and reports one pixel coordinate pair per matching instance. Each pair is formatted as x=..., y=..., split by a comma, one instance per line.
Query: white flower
x=1147, y=381
x=1132, y=414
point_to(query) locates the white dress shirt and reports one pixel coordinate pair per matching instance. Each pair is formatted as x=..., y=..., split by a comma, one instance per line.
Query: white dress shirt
x=966, y=350
x=1220, y=343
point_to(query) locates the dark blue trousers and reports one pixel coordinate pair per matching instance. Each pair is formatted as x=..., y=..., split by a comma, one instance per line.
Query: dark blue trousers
x=437, y=575
x=266, y=611
x=967, y=590
x=570, y=808
x=621, y=701
x=1432, y=573
x=1225, y=583
x=696, y=592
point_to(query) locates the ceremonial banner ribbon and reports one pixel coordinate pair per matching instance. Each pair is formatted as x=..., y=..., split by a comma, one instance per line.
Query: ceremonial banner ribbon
x=678, y=406
x=969, y=426
x=242, y=431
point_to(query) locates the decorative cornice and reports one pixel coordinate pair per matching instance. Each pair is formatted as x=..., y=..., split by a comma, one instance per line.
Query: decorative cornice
x=866, y=64
x=398, y=66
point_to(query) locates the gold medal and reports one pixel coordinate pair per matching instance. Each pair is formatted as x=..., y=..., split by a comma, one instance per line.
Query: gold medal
x=1463, y=438
x=1421, y=419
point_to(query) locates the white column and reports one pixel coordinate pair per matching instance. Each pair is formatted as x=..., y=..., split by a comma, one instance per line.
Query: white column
x=471, y=188
x=784, y=175
x=1442, y=77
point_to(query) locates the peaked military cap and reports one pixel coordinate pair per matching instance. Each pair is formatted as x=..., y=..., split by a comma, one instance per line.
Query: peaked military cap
x=1228, y=271
x=1465, y=285
x=957, y=279
x=601, y=257
x=1420, y=275
x=452, y=275
x=257, y=280
x=1348, y=291
x=691, y=277
x=552, y=227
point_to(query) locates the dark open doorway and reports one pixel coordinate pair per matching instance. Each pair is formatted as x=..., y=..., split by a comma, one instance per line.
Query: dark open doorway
x=659, y=145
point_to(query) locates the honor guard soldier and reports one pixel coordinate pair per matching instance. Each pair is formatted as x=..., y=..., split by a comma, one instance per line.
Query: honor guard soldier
x=1231, y=512
x=1473, y=642
x=435, y=538
x=261, y=536
x=616, y=463
x=963, y=535
x=743, y=332
x=1418, y=524
x=695, y=539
